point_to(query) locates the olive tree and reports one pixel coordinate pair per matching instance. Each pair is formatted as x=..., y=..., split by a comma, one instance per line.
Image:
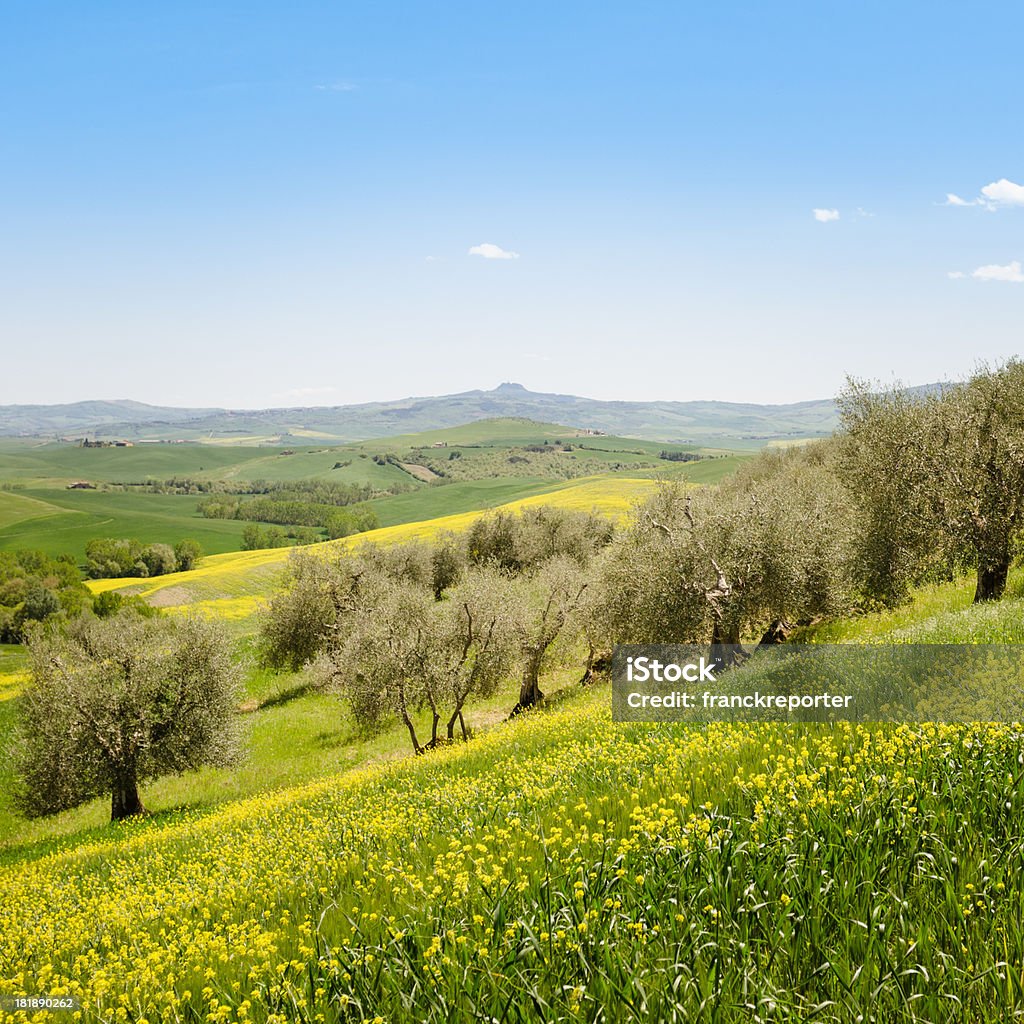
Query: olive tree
x=546, y=601
x=112, y=703
x=386, y=664
x=940, y=479
x=313, y=611
x=475, y=641
x=713, y=565
x=406, y=652
x=884, y=466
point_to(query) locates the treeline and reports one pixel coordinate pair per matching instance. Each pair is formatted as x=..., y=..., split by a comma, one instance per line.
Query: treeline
x=35, y=587
x=335, y=521
x=324, y=492
x=556, y=461
x=107, y=558
x=913, y=488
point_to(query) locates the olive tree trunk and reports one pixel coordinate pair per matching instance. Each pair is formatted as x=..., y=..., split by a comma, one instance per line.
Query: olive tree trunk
x=125, y=801
x=992, y=579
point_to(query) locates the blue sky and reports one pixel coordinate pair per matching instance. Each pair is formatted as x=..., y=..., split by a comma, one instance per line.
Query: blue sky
x=273, y=204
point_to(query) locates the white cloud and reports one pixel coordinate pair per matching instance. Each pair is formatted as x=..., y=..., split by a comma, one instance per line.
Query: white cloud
x=955, y=275
x=1012, y=272
x=824, y=216
x=490, y=251
x=336, y=87
x=994, y=195
x=1004, y=193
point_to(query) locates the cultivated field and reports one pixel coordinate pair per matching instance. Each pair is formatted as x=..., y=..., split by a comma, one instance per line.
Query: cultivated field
x=41, y=512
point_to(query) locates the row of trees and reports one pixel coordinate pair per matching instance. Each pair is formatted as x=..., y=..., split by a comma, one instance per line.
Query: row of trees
x=937, y=480
x=396, y=630
x=335, y=521
x=914, y=487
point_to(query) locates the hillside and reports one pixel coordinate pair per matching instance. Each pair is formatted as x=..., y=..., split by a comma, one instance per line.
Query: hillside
x=704, y=422
x=557, y=861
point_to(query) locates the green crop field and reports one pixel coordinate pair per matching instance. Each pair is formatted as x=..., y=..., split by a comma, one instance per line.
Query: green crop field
x=43, y=513
x=78, y=516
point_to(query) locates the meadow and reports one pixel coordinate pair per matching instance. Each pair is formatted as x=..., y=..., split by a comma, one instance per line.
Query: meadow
x=241, y=580
x=560, y=868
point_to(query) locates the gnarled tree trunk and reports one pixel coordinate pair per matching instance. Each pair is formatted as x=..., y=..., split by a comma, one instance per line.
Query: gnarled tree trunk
x=777, y=633
x=125, y=801
x=725, y=645
x=992, y=578
x=529, y=691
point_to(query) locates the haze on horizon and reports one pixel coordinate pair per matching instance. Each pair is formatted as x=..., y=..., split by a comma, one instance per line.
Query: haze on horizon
x=320, y=204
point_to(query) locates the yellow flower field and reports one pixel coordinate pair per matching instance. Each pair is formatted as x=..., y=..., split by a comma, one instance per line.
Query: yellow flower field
x=237, y=575
x=559, y=868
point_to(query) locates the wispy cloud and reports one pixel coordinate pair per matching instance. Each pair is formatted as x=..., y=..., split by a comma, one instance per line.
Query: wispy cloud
x=336, y=87
x=994, y=195
x=1011, y=272
x=824, y=215
x=490, y=251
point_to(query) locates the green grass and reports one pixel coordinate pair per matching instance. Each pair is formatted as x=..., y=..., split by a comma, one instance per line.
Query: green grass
x=941, y=613
x=293, y=735
x=62, y=462
x=706, y=472
x=563, y=868
x=79, y=516
x=43, y=513
x=559, y=868
x=16, y=508
x=465, y=496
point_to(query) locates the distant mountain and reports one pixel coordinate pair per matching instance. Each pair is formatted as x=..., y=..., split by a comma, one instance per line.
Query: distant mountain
x=706, y=423
x=50, y=419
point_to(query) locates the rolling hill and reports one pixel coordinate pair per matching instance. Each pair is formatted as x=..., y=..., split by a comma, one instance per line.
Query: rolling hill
x=728, y=424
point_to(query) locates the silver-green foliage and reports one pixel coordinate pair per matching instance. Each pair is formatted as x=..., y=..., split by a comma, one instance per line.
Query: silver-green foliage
x=112, y=703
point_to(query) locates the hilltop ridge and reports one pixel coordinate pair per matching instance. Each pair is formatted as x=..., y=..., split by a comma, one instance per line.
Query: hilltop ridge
x=746, y=424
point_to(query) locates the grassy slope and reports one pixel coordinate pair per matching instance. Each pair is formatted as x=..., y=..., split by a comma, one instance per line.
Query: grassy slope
x=16, y=508
x=297, y=735
x=565, y=868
